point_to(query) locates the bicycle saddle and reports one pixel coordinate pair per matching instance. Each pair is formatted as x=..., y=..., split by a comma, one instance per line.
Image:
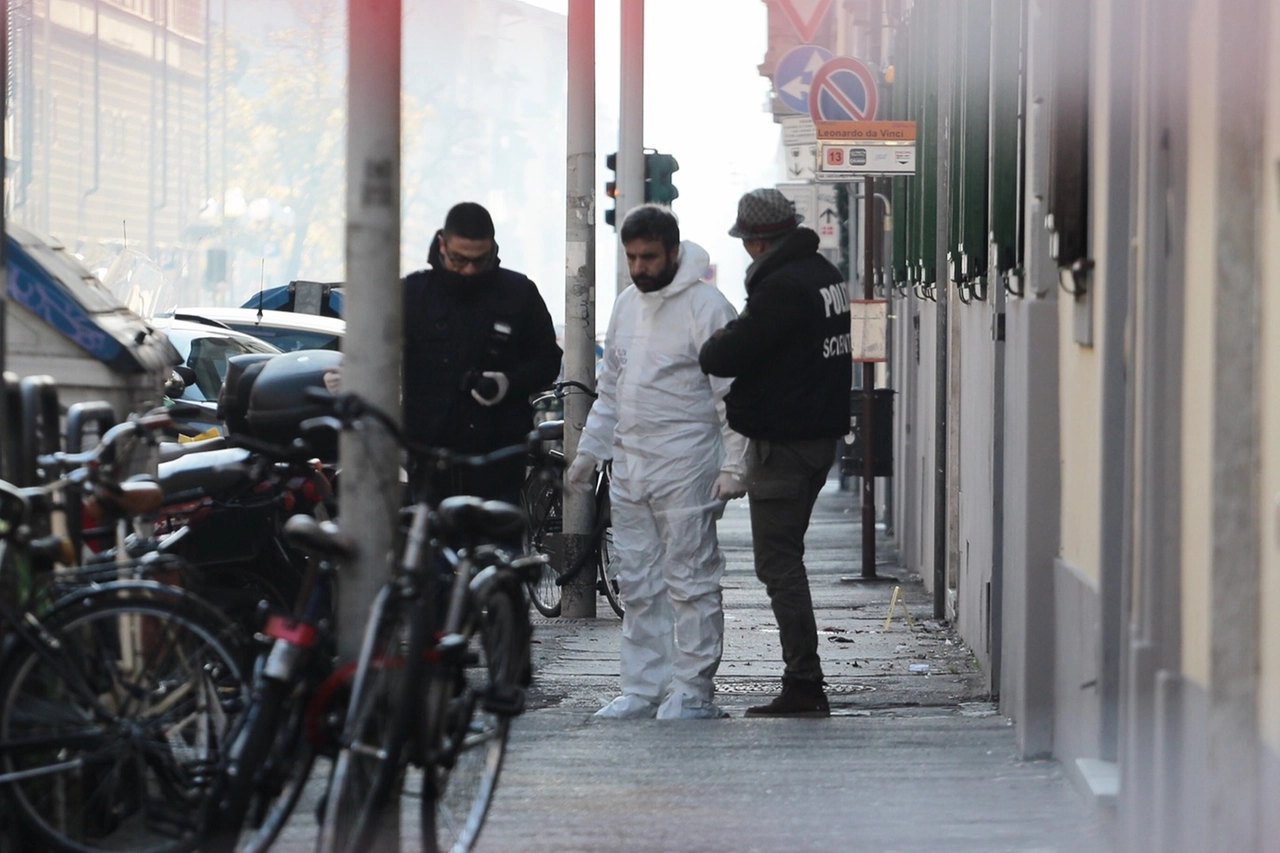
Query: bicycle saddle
x=468, y=517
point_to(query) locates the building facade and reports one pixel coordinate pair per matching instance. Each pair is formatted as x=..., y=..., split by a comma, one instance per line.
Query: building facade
x=1085, y=272
x=107, y=124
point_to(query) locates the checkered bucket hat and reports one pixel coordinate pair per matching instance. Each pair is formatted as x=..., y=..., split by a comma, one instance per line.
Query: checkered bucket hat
x=765, y=213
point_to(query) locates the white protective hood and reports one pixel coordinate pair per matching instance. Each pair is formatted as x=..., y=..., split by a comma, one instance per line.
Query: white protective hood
x=656, y=406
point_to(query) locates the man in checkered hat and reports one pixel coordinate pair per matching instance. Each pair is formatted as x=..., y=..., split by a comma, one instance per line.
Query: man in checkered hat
x=789, y=356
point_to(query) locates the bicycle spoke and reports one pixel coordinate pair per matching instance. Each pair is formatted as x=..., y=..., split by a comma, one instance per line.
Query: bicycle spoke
x=367, y=773
x=468, y=761
x=108, y=743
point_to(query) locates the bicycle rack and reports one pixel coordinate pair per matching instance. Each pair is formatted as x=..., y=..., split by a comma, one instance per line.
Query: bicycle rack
x=39, y=417
x=11, y=431
x=83, y=420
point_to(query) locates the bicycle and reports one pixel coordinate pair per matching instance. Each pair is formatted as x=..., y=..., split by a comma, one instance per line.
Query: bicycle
x=284, y=726
x=545, y=507
x=115, y=692
x=447, y=642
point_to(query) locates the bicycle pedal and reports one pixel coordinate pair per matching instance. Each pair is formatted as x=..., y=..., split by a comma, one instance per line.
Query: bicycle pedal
x=505, y=701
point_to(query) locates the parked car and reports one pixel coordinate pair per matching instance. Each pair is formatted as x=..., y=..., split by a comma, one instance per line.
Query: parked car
x=204, y=348
x=287, y=330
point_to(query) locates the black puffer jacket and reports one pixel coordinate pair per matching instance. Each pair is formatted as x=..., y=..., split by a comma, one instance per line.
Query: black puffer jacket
x=789, y=350
x=449, y=332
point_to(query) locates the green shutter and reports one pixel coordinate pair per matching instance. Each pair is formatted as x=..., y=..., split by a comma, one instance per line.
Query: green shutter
x=900, y=188
x=975, y=55
x=924, y=109
x=1006, y=164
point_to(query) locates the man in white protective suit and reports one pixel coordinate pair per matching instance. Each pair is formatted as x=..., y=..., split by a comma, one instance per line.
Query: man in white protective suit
x=675, y=464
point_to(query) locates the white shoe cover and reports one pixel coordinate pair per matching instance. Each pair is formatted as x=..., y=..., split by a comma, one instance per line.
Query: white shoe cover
x=628, y=707
x=682, y=706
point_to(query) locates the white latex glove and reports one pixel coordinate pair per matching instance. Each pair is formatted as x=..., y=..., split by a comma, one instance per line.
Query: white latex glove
x=728, y=487
x=581, y=472
x=503, y=384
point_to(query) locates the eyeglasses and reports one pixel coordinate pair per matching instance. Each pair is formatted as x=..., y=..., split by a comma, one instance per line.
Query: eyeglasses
x=458, y=263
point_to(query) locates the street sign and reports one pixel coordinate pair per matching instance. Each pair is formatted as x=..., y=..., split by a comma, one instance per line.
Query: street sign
x=799, y=139
x=805, y=15
x=805, y=198
x=850, y=148
x=843, y=90
x=794, y=72
x=840, y=161
x=826, y=218
x=868, y=329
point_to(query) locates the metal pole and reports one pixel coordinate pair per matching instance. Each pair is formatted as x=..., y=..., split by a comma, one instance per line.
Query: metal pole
x=942, y=279
x=578, y=599
x=4, y=251
x=370, y=499
x=630, y=123
x=869, y=368
x=868, y=385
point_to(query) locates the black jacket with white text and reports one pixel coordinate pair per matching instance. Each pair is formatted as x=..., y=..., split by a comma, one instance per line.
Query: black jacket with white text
x=789, y=350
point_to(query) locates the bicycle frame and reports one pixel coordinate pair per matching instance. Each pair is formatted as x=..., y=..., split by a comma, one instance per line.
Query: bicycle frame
x=408, y=646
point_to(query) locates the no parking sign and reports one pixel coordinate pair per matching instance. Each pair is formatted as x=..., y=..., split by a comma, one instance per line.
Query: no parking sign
x=843, y=89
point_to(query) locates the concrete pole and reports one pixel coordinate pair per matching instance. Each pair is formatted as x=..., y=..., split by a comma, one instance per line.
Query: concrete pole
x=370, y=498
x=630, y=123
x=578, y=598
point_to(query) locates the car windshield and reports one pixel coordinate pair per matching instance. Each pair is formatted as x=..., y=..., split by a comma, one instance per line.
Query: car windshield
x=290, y=340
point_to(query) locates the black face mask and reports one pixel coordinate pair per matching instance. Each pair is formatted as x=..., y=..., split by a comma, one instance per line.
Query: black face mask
x=451, y=279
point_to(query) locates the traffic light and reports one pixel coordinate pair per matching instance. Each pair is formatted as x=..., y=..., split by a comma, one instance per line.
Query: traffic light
x=657, y=178
x=611, y=190
x=657, y=182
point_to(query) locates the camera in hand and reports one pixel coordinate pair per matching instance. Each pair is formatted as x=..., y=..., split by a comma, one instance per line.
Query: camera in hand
x=495, y=345
x=485, y=386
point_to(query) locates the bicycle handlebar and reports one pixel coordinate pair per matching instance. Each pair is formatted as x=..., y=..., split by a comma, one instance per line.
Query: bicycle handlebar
x=104, y=453
x=349, y=408
x=561, y=388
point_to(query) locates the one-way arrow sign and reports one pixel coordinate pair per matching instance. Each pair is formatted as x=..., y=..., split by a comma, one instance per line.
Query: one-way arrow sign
x=828, y=218
x=798, y=138
x=805, y=15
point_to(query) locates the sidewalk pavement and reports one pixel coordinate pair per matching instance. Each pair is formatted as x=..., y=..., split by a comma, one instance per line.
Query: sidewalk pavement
x=909, y=761
x=914, y=757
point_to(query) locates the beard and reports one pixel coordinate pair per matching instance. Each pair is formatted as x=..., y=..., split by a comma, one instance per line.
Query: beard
x=651, y=283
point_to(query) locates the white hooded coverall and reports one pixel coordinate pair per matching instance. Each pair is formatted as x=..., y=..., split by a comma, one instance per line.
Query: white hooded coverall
x=661, y=420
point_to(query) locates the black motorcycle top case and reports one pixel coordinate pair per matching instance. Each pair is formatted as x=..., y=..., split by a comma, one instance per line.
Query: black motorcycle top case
x=280, y=400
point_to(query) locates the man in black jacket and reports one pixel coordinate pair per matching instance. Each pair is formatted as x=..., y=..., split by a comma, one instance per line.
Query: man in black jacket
x=478, y=341
x=789, y=355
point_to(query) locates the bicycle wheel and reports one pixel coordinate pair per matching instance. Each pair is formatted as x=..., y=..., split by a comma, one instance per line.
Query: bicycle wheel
x=273, y=761
x=281, y=785
x=475, y=704
x=542, y=500
x=107, y=738
x=367, y=773
x=606, y=558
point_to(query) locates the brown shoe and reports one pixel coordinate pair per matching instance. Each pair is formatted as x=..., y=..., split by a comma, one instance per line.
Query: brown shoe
x=797, y=699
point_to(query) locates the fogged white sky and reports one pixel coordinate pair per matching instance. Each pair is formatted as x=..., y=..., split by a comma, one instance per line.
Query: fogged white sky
x=706, y=103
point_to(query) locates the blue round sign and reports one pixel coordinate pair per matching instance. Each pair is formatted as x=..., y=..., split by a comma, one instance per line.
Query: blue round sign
x=794, y=74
